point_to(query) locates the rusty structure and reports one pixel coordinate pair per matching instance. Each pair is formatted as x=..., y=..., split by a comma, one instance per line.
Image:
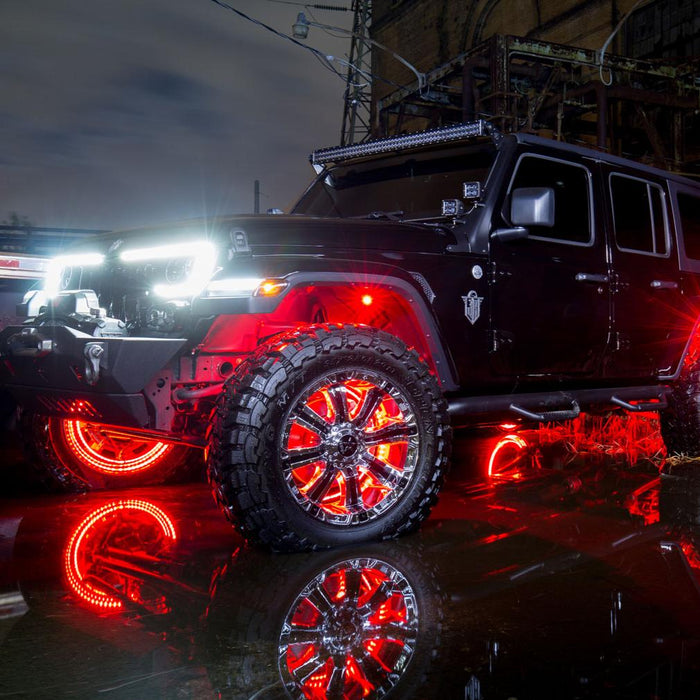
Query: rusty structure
x=643, y=109
x=357, y=109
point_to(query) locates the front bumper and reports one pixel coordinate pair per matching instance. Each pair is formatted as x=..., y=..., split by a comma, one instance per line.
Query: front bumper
x=61, y=371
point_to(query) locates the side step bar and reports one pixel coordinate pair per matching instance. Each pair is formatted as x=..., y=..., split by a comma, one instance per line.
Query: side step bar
x=552, y=406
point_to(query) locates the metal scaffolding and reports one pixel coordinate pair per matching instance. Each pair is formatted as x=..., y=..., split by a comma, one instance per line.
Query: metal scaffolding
x=357, y=123
x=642, y=109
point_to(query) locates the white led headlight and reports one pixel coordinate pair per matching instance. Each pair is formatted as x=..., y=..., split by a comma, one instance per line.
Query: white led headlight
x=193, y=263
x=58, y=267
x=233, y=287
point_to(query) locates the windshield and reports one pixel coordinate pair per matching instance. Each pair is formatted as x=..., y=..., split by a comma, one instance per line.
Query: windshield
x=410, y=186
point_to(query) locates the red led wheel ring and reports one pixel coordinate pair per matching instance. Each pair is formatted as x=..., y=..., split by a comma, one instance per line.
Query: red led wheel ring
x=108, y=450
x=90, y=540
x=505, y=461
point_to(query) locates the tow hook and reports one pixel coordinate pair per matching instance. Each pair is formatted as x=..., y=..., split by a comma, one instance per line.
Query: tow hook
x=93, y=352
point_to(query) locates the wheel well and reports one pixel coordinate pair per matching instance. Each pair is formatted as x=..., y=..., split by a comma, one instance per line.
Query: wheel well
x=378, y=307
x=372, y=305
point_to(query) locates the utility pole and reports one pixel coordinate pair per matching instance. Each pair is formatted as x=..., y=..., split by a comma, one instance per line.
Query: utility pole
x=358, y=89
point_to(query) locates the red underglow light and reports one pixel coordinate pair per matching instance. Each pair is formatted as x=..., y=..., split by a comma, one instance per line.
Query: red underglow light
x=629, y=437
x=367, y=300
x=644, y=502
x=91, y=539
x=512, y=442
x=691, y=553
x=111, y=451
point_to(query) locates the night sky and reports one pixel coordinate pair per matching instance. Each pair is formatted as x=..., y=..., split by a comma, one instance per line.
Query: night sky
x=117, y=113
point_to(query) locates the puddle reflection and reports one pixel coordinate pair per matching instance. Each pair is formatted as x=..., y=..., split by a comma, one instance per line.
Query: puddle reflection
x=342, y=624
x=549, y=573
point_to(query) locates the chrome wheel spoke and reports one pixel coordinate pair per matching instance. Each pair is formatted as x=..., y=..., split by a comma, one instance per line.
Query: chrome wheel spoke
x=372, y=400
x=319, y=488
x=380, y=470
x=320, y=600
x=353, y=581
x=392, y=433
x=339, y=401
x=311, y=420
x=353, y=498
x=304, y=635
x=304, y=455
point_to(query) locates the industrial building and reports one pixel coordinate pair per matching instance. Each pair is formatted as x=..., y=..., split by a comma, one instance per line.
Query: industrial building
x=619, y=76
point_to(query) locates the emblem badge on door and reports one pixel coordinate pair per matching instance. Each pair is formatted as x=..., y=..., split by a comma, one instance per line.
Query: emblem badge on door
x=472, y=306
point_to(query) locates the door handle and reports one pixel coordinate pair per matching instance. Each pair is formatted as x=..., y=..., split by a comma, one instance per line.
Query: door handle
x=664, y=284
x=588, y=277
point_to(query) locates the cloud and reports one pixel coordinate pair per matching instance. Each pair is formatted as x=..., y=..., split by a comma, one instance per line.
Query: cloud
x=120, y=113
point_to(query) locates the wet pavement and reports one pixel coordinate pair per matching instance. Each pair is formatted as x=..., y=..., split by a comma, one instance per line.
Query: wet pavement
x=573, y=571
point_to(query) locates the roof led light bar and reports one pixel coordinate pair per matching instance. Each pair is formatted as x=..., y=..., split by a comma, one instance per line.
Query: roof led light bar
x=399, y=143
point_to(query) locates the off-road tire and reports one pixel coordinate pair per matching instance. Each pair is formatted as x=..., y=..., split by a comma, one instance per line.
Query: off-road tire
x=245, y=460
x=56, y=467
x=680, y=422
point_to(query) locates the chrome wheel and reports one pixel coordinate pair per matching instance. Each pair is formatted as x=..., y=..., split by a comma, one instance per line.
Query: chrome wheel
x=349, y=447
x=350, y=633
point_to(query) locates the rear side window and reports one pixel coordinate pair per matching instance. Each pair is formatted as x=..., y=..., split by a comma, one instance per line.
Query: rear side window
x=639, y=216
x=689, y=209
x=572, y=197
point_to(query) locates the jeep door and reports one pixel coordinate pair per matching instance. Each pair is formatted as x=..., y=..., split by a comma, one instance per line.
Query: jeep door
x=651, y=323
x=550, y=298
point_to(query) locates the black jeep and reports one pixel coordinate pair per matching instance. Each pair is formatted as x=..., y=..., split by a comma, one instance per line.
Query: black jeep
x=451, y=277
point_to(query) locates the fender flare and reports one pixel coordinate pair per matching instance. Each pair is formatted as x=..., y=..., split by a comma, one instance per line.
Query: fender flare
x=427, y=325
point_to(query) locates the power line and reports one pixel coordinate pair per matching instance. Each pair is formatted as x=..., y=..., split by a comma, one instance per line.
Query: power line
x=330, y=8
x=325, y=60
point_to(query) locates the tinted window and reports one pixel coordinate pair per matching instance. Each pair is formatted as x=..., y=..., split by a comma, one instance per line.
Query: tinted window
x=689, y=208
x=638, y=216
x=571, y=185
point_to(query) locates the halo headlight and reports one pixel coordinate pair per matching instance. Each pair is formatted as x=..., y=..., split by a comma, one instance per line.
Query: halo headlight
x=189, y=268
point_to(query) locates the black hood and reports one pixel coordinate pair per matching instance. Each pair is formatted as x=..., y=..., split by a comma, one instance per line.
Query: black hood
x=269, y=234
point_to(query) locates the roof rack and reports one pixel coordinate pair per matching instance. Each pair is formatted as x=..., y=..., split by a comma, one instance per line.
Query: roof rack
x=400, y=143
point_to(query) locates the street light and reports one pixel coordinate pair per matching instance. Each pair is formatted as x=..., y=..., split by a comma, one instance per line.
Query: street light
x=300, y=30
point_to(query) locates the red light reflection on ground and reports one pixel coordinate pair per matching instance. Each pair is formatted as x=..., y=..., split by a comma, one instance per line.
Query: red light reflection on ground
x=629, y=438
x=102, y=559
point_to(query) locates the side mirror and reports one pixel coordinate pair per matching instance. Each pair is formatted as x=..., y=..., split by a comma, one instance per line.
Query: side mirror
x=532, y=206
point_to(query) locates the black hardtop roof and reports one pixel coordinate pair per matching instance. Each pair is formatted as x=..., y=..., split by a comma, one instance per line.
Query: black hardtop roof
x=592, y=153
